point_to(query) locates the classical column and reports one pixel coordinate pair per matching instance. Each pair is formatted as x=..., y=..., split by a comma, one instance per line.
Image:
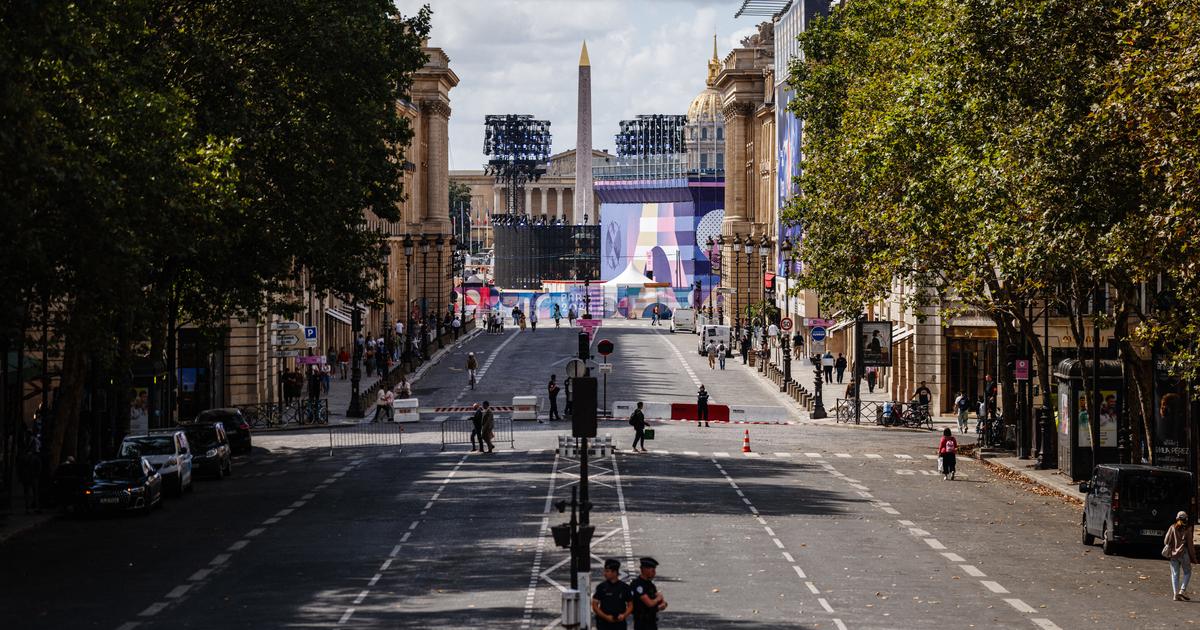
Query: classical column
x=496, y=208
x=436, y=116
x=545, y=200
x=559, y=208
x=528, y=201
x=737, y=115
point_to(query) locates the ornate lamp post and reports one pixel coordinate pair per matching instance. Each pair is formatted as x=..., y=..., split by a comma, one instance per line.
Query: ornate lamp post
x=748, y=245
x=355, y=410
x=735, y=247
x=709, y=245
x=424, y=269
x=408, y=332
x=720, y=267
x=463, y=298
x=764, y=250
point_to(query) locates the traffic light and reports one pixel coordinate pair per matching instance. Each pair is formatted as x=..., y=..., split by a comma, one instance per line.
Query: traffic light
x=585, y=346
x=583, y=407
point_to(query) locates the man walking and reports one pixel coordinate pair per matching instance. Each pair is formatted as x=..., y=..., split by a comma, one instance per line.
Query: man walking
x=613, y=601
x=702, y=406
x=654, y=315
x=637, y=420
x=477, y=428
x=840, y=366
x=557, y=315
x=571, y=317
x=487, y=427
x=721, y=352
x=552, y=394
x=827, y=364
x=647, y=601
x=745, y=349
x=711, y=351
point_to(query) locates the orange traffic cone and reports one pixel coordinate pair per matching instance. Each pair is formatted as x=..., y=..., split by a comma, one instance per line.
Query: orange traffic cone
x=746, y=442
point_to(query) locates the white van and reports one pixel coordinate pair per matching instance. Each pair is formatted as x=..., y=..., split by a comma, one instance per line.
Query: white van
x=717, y=334
x=683, y=319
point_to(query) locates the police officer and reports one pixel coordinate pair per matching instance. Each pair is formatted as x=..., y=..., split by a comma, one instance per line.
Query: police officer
x=613, y=601
x=647, y=601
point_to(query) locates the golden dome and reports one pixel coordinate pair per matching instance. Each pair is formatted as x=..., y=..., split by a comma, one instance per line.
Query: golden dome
x=706, y=107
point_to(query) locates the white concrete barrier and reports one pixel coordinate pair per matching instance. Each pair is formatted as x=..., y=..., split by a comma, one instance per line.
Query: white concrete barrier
x=525, y=407
x=654, y=410
x=759, y=414
x=406, y=410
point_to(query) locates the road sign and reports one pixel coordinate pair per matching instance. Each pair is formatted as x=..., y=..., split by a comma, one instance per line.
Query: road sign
x=310, y=336
x=287, y=353
x=295, y=328
x=605, y=368
x=313, y=360
x=576, y=368
x=604, y=347
x=817, y=333
x=286, y=340
x=1022, y=369
x=786, y=324
x=816, y=321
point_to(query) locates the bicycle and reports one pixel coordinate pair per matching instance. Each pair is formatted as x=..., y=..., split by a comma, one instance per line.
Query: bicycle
x=843, y=412
x=917, y=416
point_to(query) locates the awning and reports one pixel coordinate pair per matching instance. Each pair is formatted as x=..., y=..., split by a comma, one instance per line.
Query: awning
x=769, y=280
x=973, y=320
x=338, y=315
x=840, y=325
x=904, y=334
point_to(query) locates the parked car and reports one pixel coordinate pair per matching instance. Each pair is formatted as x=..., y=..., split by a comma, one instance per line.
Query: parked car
x=236, y=427
x=212, y=455
x=122, y=484
x=168, y=452
x=1133, y=503
x=683, y=319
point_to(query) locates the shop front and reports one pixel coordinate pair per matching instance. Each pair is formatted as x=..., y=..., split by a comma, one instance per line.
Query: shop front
x=970, y=358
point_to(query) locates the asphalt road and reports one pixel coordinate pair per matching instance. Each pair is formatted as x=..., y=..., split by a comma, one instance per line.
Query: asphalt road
x=819, y=527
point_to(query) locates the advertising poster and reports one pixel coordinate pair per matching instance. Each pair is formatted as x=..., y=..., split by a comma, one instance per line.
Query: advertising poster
x=139, y=411
x=876, y=344
x=1108, y=419
x=1170, y=427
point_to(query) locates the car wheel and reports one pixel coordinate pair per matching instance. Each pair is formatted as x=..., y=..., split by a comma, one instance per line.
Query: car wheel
x=1106, y=542
x=1087, y=538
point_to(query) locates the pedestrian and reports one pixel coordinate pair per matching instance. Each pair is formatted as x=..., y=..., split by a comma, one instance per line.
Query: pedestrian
x=293, y=384
x=840, y=366
x=557, y=315
x=1180, y=550
x=827, y=365
x=456, y=324
x=381, y=357
x=331, y=357
x=343, y=361
x=472, y=366
x=745, y=349
x=520, y=317
x=369, y=358
x=488, y=429
x=797, y=344
x=326, y=377
x=721, y=352
x=389, y=399
x=711, y=351
x=924, y=396
x=613, y=601
x=960, y=406
x=381, y=405
x=647, y=601
x=654, y=315
x=637, y=420
x=872, y=376
x=552, y=393
x=947, y=449
x=571, y=317
x=532, y=319
x=477, y=428
x=702, y=406
x=849, y=391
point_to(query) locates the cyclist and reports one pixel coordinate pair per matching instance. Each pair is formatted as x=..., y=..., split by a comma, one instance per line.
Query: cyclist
x=946, y=450
x=472, y=365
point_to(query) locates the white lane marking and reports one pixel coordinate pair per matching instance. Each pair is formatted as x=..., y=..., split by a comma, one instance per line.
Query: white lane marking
x=375, y=579
x=770, y=532
x=271, y=521
x=405, y=537
x=361, y=596
x=255, y=532
x=346, y=616
x=994, y=586
x=858, y=486
x=972, y=570
x=414, y=525
x=839, y=624
x=813, y=455
x=812, y=587
x=660, y=452
x=153, y=609
x=825, y=604
x=679, y=355
x=865, y=495
x=953, y=557
x=934, y=543
x=694, y=453
x=720, y=454
x=918, y=532
x=1020, y=605
x=178, y=591
x=787, y=556
x=428, y=505
x=783, y=454
x=219, y=559
x=752, y=454
x=1045, y=624
x=536, y=570
x=309, y=496
x=907, y=523
x=284, y=512
x=200, y=575
x=874, y=456
x=800, y=572
x=903, y=456
x=893, y=511
x=778, y=543
x=129, y=625
x=843, y=455
x=241, y=544
x=931, y=457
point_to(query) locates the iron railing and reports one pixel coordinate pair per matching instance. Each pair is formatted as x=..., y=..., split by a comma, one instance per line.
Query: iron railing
x=458, y=431
x=365, y=435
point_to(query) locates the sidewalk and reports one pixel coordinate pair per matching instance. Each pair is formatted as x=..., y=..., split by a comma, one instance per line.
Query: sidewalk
x=16, y=520
x=1045, y=482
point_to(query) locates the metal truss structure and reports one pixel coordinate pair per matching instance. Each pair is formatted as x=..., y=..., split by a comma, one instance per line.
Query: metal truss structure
x=518, y=149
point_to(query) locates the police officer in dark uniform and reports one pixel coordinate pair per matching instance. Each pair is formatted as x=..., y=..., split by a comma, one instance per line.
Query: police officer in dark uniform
x=647, y=601
x=613, y=601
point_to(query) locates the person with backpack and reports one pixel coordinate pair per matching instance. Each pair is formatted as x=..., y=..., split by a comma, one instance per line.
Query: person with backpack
x=552, y=394
x=946, y=451
x=637, y=420
x=960, y=405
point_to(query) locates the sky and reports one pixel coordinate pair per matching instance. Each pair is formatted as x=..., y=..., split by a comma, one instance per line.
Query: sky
x=522, y=57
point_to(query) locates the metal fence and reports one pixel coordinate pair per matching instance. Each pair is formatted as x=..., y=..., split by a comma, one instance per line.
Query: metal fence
x=458, y=431
x=287, y=415
x=872, y=412
x=365, y=435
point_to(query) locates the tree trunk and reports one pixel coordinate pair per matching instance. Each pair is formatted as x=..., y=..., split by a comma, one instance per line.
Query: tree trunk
x=68, y=402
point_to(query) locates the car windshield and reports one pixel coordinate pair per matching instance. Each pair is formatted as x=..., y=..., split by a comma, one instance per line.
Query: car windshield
x=1155, y=490
x=202, y=438
x=213, y=415
x=149, y=445
x=120, y=471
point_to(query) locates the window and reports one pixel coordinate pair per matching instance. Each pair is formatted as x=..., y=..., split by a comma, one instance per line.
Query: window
x=703, y=161
x=720, y=133
x=720, y=161
x=704, y=133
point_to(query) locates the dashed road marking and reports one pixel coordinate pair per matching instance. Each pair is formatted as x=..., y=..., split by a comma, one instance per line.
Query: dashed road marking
x=825, y=604
x=153, y=609
x=1020, y=605
x=178, y=591
x=934, y=543
x=1045, y=624
x=951, y=556
x=971, y=570
x=994, y=586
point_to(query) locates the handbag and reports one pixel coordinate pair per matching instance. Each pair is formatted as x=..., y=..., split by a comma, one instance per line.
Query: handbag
x=1166, y=552
x=939, y=465
x=648, y=434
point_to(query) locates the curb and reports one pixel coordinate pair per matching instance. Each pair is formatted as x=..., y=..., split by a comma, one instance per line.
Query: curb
x=45, y=518
x=999, y=468
x=869, y=427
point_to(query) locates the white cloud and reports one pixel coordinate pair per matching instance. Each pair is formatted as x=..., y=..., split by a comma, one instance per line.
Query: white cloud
x=521, y=57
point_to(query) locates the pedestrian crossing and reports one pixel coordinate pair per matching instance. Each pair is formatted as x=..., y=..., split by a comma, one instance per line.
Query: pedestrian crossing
x=717, y=454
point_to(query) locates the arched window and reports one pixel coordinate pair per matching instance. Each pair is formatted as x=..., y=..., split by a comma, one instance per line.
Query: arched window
x=720, y=133
x=704, y=133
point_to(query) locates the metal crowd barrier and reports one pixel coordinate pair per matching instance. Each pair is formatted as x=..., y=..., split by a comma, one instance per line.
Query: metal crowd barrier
x=365, y=435
x=297, y=413
x=458, y=431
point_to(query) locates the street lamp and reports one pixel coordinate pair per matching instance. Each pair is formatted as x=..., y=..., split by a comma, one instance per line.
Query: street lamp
x=764, y=250
x=463, y=298
x=734, y=248
x=720, y=268
x=748, y=246
x=437, y=323
x=709, y=249
x=385, y=256
x=355, y=410
x=408, y=331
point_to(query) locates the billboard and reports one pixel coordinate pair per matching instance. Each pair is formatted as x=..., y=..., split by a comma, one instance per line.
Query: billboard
x=875, y=344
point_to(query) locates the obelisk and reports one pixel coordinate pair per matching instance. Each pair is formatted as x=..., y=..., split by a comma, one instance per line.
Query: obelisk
x=583, y=210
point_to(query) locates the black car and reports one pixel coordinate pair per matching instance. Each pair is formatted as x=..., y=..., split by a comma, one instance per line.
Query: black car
x=118, y=485
x=236, y=427
x=211, y=454
x=1133, y=503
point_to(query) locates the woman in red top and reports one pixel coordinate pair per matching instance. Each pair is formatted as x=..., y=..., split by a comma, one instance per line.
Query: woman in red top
x=946, y=450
